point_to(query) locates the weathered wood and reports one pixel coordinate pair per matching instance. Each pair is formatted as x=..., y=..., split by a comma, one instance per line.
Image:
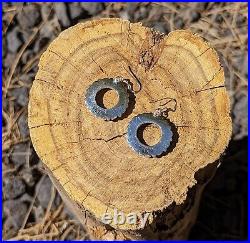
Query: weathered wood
x=89, y=158
x=172, y=223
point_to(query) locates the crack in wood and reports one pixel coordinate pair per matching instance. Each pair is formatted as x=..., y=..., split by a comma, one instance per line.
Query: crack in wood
x=54, y=124
x=99, y=66
x=216, y=87
x=209, y=81
x=65, y=60
x=106, y=140
x=203, y=52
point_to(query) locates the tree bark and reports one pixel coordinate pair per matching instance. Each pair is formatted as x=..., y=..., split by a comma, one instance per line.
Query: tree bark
x=89, y=159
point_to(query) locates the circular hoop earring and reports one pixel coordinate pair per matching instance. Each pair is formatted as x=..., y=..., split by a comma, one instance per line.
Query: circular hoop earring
x=141, y=148
x=100, y=85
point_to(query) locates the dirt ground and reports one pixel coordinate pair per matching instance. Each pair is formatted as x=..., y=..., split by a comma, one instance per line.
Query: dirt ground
x=32, y=209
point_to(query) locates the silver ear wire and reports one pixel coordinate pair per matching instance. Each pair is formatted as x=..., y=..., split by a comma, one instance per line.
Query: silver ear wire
x=126, y=81
x=163, y=111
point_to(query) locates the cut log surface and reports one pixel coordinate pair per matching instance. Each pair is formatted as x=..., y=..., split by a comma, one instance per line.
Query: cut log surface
x=90, y=157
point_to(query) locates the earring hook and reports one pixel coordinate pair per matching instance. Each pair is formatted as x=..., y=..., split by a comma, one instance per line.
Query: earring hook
x=126, y=81
x=164, y=111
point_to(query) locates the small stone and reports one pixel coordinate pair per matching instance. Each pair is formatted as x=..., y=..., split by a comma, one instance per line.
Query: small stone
x=16, y=212
x=34, y=160
x=47, y=31
x=26, y=35
x=21, y=95
x=8, y=60
x=240, y=111
x=159, y=26
x=44, y=192
x=124, y=15
x=41, y=43
x=75, y=10
x=27, y=78
x=28, y=177
x=131, y=9
x=27, y=55
x=39, y=213
x=26, y=198
x=200, y=7
x=5, y=104
x=195, y=16
x=68, y=213
x=13, y=40
x=61, y=13
x=240, y=20
x=23, y=126
x=13, y=187
x=92, y=8
x=45, y=11
x=29, y=17
x=179, y=23
x=144, y=12
x=57, y=200
x=18, y=155
x=219, y=18
x=4, y=47
x=245, y=66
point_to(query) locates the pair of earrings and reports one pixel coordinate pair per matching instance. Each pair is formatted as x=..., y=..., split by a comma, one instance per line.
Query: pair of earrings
x=122, y=88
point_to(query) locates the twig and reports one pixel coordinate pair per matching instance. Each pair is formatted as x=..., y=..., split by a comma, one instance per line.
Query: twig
x=32, y=203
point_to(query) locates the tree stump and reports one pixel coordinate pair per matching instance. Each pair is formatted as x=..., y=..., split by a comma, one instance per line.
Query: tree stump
x=89, y=159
